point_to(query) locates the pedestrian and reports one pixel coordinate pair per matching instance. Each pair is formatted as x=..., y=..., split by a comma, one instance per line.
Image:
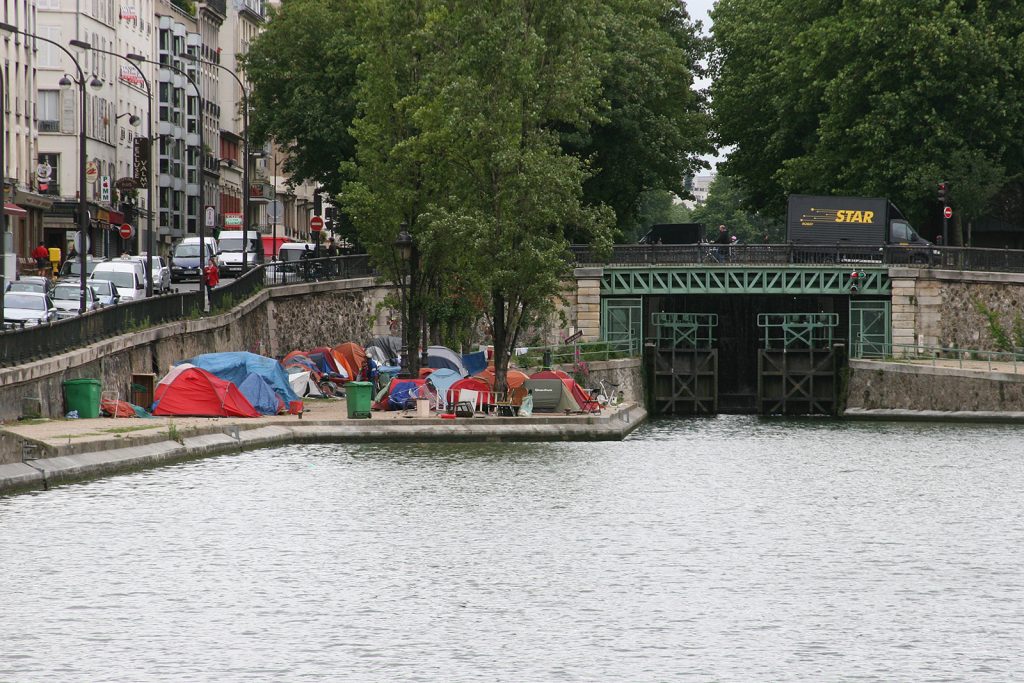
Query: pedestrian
x=723, y=235
x=723, y=239
x=332, y=253
x=42, y=256
x=211, y=276
x=306, y=255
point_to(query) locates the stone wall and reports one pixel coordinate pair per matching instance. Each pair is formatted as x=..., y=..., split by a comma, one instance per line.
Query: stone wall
x=943, y=308
x=876, y=385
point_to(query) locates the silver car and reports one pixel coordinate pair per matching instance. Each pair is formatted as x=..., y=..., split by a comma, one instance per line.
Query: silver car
x=27, y=309
x=67, y=299
x=161, y=272
x=106, y=292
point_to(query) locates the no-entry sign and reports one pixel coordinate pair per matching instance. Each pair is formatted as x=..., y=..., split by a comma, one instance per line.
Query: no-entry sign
x=948, y=212
x=316, y=223
x=126, y=231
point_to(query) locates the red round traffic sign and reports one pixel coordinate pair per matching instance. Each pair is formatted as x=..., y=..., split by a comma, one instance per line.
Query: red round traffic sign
x=948, y=212
x=316, y=223
x=126, y=231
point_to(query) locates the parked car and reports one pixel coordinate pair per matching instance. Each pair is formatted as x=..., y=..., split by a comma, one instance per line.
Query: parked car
x=28, y=308
x=67, y=298
x=128, y=275
x=106, y=292
x=161, y=272
x=31, y=283
x=73, y=267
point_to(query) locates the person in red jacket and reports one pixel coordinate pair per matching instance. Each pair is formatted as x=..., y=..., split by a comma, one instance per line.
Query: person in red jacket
x=42, y=256
x=211, y=276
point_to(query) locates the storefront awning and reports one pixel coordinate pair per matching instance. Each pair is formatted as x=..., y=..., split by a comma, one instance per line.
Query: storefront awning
x=14, y=210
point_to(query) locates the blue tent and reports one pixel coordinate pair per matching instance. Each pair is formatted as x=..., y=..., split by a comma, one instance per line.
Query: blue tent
x=235, y=366
x=403, y=394
x=260, y=395
x=442, y=380
x=475, y=362
x=442, y=357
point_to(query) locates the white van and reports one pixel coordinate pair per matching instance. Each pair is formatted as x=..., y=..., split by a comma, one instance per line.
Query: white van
x=230, y=242
x=185, y=261
x=128, y=275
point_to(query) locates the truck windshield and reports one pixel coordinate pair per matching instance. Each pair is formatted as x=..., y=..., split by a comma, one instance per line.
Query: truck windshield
x=902, y=232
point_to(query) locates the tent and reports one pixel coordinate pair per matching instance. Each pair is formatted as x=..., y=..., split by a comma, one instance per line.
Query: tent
x=470, y=384
x=551, y=395
x=235, y=366
x=440, y=381
x=443, y=357
x=514, y=378
x=474, y=362
x=189, y=390
x=353, y=356
x=261, y=395
x=303, y=383
x=298, y=358
x=400, y=394
x=326, y=363
x=385, y=350
x=581, y=395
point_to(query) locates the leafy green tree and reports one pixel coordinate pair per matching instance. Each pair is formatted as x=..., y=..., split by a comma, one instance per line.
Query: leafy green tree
x=651, y=125
x=302, y=71
x=882, y=99
x=657, y=206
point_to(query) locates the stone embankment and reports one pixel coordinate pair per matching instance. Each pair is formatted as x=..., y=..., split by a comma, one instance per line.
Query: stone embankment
x=56, y=452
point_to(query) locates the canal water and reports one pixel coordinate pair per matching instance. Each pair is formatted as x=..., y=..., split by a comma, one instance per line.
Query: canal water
x=723, y=549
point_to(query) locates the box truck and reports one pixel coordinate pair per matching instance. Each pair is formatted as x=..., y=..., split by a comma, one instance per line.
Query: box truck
x=851, y=222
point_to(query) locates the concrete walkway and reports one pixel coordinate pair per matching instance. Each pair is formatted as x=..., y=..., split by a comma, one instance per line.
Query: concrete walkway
x=45, y=453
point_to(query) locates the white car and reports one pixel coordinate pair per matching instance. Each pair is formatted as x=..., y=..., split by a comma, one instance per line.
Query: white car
x=28, y=309
x=67, y=298
x=128, y=275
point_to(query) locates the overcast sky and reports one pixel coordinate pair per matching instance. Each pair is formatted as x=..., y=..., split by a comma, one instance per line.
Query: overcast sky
x=698, y=10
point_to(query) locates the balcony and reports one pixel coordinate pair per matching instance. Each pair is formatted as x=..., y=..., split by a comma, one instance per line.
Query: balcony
x=49, y=126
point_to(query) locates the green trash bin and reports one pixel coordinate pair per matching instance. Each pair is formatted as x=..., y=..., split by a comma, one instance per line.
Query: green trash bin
x=359, y=397
x=82, y=395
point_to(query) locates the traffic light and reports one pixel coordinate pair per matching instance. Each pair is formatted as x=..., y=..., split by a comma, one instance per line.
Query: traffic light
x=318, y=204
x=856, y=278
x=943, y=189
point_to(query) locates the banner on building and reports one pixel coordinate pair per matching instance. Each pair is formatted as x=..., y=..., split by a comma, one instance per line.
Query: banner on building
x=140, y=160
x=130, y=75
x=128, y=12
x=104, y=188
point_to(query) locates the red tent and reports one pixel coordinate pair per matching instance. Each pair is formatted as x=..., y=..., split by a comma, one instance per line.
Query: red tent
x=474, y=384
x=188, y=390
x=514, y=378
x=353, y=356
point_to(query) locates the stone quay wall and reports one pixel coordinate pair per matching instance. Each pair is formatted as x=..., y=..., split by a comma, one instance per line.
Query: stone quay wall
x=272, y=323
x=947, y=308
x=879, y=385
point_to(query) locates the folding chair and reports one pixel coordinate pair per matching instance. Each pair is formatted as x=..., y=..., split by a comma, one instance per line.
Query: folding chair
x=468, y=403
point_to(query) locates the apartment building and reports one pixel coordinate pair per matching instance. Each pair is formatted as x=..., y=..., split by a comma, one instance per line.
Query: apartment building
x=23, y=203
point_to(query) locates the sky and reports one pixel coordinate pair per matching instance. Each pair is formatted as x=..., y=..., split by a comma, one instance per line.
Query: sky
x=698, y=10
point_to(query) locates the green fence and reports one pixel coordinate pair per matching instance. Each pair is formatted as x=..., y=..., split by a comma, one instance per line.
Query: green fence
x=941, y=356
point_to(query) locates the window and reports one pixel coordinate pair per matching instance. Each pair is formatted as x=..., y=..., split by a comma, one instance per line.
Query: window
x=49, y=111
x=49, y=55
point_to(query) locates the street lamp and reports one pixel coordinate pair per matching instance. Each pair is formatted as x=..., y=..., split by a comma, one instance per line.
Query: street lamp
x=403, y=250
x=245, y=143
x=134, y=120
x=83, y=205
x=202, y=163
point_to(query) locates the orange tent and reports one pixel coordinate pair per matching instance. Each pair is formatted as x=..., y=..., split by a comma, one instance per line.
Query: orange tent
x=352, y=356
x=514, y=378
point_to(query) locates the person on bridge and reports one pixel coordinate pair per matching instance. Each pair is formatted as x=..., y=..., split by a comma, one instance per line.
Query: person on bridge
x=211, y=276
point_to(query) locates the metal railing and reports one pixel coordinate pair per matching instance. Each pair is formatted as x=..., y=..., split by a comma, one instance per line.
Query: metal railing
x=956, y=258
x=21, y=345
x=588, y=352
x=942, y=356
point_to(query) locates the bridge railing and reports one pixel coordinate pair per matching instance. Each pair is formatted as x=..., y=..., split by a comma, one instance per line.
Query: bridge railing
x=955, y=258
x=22, y=345
x=942, y=356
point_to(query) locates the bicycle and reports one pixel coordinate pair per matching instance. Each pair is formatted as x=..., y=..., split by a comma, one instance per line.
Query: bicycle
x=606, y=394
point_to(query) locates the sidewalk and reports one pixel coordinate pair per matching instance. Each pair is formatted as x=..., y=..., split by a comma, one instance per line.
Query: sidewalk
x=52, y=452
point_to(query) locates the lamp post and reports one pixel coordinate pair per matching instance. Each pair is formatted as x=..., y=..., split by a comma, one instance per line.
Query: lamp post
x=3, y=204
x=149, y=180
x=83, y=204
x=245, y=144
x=403, y=250
x=202, y=165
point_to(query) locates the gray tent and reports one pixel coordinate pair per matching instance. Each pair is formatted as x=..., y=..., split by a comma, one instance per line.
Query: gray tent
x=385, y=350
x=551, y=396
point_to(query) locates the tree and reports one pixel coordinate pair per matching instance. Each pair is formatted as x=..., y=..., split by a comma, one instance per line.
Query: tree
x=302, y=75
x=881, y=99
x=726, y=204
x=651, y=125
